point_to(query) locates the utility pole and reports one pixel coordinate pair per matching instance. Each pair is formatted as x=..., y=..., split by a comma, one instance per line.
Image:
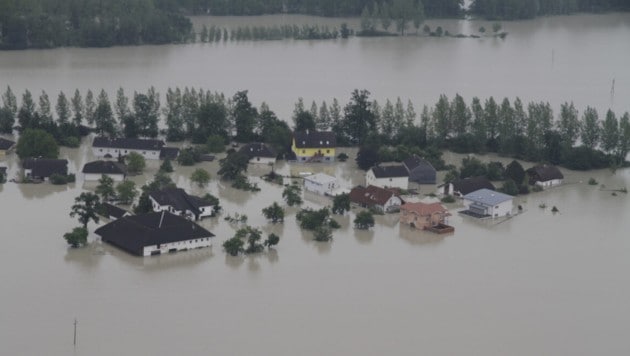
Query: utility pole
x=75, y=332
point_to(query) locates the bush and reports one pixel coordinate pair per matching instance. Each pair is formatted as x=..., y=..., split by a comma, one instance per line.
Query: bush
x=448, y=199
x=58, y=179
x=76, y=238
x=537, y=188
x=71, y=141
x=592, y=181
x=215, y=144
x=342, y=157
x=509, y=187
x=523, y=189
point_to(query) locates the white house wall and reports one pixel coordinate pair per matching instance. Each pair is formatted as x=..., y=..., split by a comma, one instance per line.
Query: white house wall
x=320, y=188
x=96, y=177
x=262, y=160
x=395, y=182
x=500, y=210
x=177, y=246
x=549, y=183
x=114, y=152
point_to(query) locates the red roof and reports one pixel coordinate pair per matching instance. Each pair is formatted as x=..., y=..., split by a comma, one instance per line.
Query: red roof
x=423, y=209
x=371, y=195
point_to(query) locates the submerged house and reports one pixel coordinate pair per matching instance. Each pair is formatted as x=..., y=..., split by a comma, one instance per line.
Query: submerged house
x=177, y=201
x=488, y=203
x=154, y=233
x=461, y=187
x=314, y=146
x=322, y=184
x=545, y=176
x=112, y=212
x=373, y=197
x=391, y=176
x=420, y=170
x=259, y=153
x=425, y=216
x=93, y=171
x=43, y=168
x=114, y=147
x=5, y=146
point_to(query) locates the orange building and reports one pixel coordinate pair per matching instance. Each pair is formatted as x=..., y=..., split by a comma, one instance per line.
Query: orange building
x=423, y=216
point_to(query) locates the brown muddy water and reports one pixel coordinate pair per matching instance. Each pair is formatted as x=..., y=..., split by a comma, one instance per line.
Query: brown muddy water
x=538, y=284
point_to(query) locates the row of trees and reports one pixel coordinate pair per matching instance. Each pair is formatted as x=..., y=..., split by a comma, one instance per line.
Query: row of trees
x=257, y=33
x=526, y=9
x=89, y=23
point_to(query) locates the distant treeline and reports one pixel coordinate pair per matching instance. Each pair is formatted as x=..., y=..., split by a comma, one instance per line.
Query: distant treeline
x=527, y=9
x=89, y=23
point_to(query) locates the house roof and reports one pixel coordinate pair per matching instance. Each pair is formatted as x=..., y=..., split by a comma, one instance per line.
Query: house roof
x=315, y=139
x=110, y=210
x=257, y=149
x=414, y=162
x=370, y=196
x=45, y=167
x=6, y=144
x=169, y=152
x=392, y=171
x=545, y=173
x=470, y=184
x=128, y=143
x=179, y=199
x=487, y=197
x=133, y=233
x=424, y=209
x=104, y=167
x=320, y=178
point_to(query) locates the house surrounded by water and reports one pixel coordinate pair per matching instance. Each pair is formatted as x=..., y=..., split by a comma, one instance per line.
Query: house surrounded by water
x=93, y=171
x=115, y=147
x=314, y=146
x=488, y=203
x=177, y=201
x=43, y=168
x=545, y=176
x=154, y=234
x=420, y=170
x=390, y=176
x=259, y=153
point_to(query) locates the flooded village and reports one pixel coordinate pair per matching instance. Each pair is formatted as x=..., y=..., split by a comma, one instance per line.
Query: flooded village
x=485, y=272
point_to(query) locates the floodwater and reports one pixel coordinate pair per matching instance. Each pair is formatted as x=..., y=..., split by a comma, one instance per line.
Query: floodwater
x=540, y=283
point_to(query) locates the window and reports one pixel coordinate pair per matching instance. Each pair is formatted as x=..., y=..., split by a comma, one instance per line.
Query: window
x=303, y=151
x=327, y=151
x=100, y=150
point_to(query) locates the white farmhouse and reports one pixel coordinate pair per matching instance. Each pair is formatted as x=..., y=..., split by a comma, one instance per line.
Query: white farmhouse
x=322, y=184
x=259, y=153
x=545, y=176
x=177, y=201
x=154, y=234
x=488, y=203
x=394, y=176
x=115, y=147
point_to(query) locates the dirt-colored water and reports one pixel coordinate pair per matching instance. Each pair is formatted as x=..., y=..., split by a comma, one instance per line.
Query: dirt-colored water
x=538, y=284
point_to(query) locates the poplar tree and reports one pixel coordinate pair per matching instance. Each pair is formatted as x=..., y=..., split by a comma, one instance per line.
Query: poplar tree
x=63, y=109
x=589, y=129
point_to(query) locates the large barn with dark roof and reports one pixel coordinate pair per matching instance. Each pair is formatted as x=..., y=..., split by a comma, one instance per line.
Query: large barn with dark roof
x=154, y=234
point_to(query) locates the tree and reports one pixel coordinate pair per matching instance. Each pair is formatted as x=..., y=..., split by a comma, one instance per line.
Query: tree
x=174, y=111
x=610, y=132
x=509, y=187
x=274, y=212
x=77, y=108
x=201, y=177
x=359, y=119
x=9, y=102
x=341, y=203
x=86, y=206
x=364, y=220
x=253, y=238
x=27, y=117
x=322, y=234
x=245, y=116
x=310, y=219
x=305, y=121
x=126, y=191
x=77, y=237
x=291, y=194
x=233, y=246
x=44, y=112
x=7, y=120
x=272, y=240
x=589, y=129
x=367, y=157
x=37, y=143
x=569, y=124
x=135, y=163
x=402, y=11
x=166, y=166
x=515, y=172
x=624, y=137
x=442, y=119
x=215, y=144
x=89, y=107
x=103, y=116
x=233, y=165
x=460, y=115
x=63, y=109
x=105, y=188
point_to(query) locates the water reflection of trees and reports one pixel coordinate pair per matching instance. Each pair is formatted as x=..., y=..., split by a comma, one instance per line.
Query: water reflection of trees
x=42, y=190
x=364, y=237
x=252, y=260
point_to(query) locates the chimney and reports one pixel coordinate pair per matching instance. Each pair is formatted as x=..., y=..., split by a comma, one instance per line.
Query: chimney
x=307, y=132
x=161, y=218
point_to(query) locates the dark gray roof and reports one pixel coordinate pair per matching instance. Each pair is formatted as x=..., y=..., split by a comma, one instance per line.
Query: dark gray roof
x=470, y=184
x=169, y=152
x=133, y=233
x=487, y=197
x=315, y=139
x=390, y=171
x=128, y=143
x=45, y=167
x=112, y=211
x=414, y=162
x=544, y=173
x=257, y=149
x=105, y=167
x=179, y=199
x=6, y=144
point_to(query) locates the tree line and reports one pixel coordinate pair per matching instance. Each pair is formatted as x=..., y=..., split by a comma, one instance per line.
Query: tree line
x=528, y=131
x=89, y=23
x=527, y=9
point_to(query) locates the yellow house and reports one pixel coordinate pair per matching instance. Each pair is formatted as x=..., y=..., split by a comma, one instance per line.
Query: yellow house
x=5, y=146
x=314, y=146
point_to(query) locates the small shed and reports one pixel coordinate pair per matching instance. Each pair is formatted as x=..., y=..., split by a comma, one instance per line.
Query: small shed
x=43, y=168
x=545, y=176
